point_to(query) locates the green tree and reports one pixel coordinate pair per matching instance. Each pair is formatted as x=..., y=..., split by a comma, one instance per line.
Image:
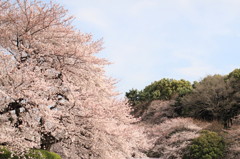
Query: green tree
x=234, y=74
x=164, y=89
x=133, y=96
x=212, y=99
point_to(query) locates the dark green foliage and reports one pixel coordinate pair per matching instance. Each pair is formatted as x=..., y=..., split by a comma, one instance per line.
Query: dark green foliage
x=134, y=96
x=208, y=146
x=234, y=74
x=167, y=89
x=33, y=154
x=234, y=79
x=213, y=98
x=164, y=89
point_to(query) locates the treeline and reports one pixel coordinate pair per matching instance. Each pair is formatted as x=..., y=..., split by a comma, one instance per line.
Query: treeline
x=164, y=89
x=215, y=97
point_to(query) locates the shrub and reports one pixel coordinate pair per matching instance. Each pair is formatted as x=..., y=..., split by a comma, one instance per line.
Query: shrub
x=33, y=154
x=209, y=145
x=42, y=154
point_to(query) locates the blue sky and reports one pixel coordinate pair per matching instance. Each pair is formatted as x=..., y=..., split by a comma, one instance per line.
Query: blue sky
x=147, y=40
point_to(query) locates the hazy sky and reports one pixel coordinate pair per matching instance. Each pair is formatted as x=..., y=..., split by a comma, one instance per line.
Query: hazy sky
x=152, y=39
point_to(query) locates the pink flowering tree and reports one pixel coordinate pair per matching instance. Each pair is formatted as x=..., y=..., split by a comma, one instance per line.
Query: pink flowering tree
x=54, y=94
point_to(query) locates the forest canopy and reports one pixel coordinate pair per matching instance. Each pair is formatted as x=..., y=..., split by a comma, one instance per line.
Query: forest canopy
x=215, y=97
x=164, y=89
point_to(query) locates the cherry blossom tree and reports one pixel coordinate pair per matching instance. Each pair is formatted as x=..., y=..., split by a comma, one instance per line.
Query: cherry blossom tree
x=54, y=94
x=172, y=137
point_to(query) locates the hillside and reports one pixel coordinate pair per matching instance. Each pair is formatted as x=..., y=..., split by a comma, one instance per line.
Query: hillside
x=191, y=121
x=170, y=134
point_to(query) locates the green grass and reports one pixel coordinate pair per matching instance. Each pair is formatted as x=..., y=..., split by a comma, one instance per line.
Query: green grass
x=6, y=154
x=42, y=154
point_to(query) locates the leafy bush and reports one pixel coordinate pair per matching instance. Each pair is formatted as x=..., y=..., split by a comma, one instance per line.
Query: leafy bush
x=33, y=154
x=209, y=145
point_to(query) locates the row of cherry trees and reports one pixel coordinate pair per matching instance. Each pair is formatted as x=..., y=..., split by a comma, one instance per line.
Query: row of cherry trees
x=54, y=94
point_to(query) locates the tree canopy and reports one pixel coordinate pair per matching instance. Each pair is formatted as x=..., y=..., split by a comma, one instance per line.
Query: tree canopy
x=164, y=89
x=213, y=98
x=53, y=90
